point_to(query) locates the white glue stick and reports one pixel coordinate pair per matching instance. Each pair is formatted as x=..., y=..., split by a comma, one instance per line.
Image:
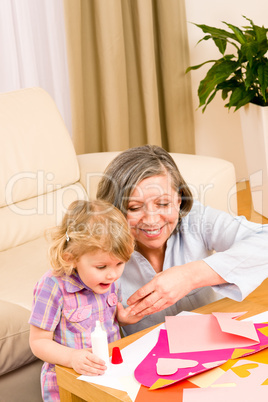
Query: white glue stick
x=100, y=343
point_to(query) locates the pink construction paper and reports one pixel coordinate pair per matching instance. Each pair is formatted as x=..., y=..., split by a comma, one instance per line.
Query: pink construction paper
x=204, y=332
x=146, y=372
x=229, y=325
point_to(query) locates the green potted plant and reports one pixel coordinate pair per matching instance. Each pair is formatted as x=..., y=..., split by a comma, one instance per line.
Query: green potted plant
x=242, y=79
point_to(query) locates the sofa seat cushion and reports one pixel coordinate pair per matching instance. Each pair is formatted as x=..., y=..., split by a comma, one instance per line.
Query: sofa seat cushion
x=14, y=337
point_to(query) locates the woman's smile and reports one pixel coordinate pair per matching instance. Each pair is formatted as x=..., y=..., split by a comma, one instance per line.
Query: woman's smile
x=152, y=232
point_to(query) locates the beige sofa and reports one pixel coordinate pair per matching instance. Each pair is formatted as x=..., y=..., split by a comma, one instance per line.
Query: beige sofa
x=40, y=176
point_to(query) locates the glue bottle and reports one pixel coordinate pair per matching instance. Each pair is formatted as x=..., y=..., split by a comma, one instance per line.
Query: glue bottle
x=100, y=343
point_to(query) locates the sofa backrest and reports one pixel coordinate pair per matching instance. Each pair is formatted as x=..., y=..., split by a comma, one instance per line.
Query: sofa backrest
x=39, y=168
x=212, y=180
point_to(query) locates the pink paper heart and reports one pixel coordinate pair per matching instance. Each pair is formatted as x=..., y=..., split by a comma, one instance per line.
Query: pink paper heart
x=167, y=366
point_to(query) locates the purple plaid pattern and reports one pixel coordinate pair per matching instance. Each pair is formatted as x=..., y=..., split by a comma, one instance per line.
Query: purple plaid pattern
x=70, y=309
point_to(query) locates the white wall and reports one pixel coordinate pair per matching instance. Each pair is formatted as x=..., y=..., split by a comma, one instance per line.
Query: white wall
x=217, y=131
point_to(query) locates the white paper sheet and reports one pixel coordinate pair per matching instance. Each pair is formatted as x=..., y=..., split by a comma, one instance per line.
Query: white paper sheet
x=121, y=376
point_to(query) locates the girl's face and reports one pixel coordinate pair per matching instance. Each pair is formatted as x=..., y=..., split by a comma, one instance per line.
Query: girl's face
x=153, y=211
x=99, y=270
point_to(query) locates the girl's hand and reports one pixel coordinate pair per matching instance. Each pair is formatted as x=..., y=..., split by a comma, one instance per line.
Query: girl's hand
x=125, y=315
x=83, y=361
x=171, y=285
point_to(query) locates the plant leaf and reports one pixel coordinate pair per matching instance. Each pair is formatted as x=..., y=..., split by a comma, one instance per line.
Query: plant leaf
x=251, y=75
x=199, y=65
x=244, y=76
x=250, y=50
x=227, y=57
x=221, y=44
x=246, y=99
x=218, y=73
x=260, y=32
x=212, y=96
x=216, y=32
x=207, y=37
x=240, y=97
x=263, y=79
x=238, y=33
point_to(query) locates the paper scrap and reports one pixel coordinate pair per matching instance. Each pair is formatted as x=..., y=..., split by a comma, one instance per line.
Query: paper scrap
x=204, y=332
x=167, y=366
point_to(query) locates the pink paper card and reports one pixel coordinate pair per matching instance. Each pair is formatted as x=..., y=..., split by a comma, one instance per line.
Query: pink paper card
x=209, y=332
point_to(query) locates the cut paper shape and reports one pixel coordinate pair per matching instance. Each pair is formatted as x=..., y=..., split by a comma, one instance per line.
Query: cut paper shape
x=161, y=382
x=213, y=364
x=264, y=331
x=247, y=389
x=166, y=366
x=146, y=374
x=208, y=332
x=229, y=324
x=243, y=371
x=173, y=393
x=207, y=378
x=241, y=352
x=264, y=346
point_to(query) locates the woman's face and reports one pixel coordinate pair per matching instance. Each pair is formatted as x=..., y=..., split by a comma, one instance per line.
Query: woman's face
x=153, y=211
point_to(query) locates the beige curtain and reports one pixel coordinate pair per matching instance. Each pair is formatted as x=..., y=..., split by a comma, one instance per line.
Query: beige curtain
x=127, y=62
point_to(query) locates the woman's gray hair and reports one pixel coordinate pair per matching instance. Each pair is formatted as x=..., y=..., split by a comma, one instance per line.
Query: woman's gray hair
x=135, y=164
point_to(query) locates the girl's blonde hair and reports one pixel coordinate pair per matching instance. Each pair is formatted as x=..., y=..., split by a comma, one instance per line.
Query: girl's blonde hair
x=89, y=226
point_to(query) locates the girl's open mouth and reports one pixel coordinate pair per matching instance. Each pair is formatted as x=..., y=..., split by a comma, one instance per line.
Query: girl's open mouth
x=105, y=285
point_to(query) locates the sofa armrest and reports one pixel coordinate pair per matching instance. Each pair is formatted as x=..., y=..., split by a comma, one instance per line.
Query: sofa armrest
x=14, y=337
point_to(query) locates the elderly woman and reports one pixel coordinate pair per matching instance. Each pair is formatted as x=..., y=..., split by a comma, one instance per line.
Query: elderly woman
x=186, y=255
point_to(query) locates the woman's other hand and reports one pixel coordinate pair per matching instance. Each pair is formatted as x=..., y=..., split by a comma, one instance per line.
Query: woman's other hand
x=171, y=285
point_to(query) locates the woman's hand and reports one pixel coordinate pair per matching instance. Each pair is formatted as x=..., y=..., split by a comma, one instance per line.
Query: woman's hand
x=171, y=285
x=83, y=361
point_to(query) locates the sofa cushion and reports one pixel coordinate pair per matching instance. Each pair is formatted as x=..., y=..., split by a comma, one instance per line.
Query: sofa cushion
x=14, y=337
x=38, y=166
x=36, y=152
x=20, y=268
x=28, y=219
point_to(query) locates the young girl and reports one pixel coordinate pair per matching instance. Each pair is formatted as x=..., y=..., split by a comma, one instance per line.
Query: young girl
x=87, y=254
